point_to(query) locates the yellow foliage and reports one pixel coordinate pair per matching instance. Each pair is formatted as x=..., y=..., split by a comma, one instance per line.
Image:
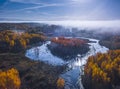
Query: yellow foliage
x=6, y=38
x=21, y=39
x=9, y=79
x=104, y=68
x=60, y=83
x=12, y=43
x=23, y=43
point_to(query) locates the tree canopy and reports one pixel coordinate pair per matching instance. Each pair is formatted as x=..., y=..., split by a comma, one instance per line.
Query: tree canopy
x=10, y=79
x=103, y=70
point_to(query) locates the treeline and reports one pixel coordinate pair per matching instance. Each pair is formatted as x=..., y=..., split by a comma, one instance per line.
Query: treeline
x=68, y=41
x=11, y=41
x=30, y=27
x=102, y=71
x=112, y=42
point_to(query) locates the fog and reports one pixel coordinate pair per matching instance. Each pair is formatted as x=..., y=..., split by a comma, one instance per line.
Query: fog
x=108, y=25
x=76, y=23
x=92, y=24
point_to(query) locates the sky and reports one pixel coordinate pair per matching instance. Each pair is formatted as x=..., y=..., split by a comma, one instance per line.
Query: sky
x=59, y=10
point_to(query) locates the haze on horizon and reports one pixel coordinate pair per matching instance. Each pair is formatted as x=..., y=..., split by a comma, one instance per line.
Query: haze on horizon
x=58, y=10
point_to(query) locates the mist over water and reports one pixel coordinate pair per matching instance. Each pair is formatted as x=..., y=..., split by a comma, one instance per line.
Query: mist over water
x=97, y=26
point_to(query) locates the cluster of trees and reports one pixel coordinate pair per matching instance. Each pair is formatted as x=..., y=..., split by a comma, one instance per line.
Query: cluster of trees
x=17, y=41
x=68, y=41
x=68, y=48
x=112, y=42
x=102, y=71
x=11, y=26
x=10, y=79
x=30, y=27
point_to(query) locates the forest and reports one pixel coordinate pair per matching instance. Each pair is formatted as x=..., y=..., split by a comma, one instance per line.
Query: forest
x=112, y=42
x=102, y=71
x=11, y=41
x=19, y=72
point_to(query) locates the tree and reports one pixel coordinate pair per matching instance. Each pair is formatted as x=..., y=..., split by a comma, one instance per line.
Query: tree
x=6, y=38
x=60, y=83
x=23, y=43
x=12, y=43
x=10, y=79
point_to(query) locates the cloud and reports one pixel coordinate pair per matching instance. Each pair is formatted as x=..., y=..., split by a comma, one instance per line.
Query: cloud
x=38, y=3
x=42, y=6
x=38, y=7
x=82, y=1
x=28, y=1
x=42, y=2
x=57, y=9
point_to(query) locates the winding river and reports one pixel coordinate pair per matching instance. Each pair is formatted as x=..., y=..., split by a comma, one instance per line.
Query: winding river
x=72, y=76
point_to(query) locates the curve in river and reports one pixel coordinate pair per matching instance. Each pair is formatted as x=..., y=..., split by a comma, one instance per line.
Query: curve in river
x=71, y=76
x=43, y=53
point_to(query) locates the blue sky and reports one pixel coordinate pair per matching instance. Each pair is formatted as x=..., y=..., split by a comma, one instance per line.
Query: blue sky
x=60, y=9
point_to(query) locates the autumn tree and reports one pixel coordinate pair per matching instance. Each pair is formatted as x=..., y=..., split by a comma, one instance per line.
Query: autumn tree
x=103, y=70
x=10, y=79
x=23, y=43
x=17, y=41
x=60, y=83
x=6, y=38
x=12, y=43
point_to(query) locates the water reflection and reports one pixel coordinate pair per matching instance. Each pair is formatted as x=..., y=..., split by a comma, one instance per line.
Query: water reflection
x=36, y=51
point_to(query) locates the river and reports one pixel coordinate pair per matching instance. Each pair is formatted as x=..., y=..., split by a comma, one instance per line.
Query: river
x=72, y=75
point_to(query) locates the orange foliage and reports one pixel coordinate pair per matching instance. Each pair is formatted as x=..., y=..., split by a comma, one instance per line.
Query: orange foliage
x=104, y=68
x=9, y=79
x=23, y=43
x=68, y=41
x=60, y=83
